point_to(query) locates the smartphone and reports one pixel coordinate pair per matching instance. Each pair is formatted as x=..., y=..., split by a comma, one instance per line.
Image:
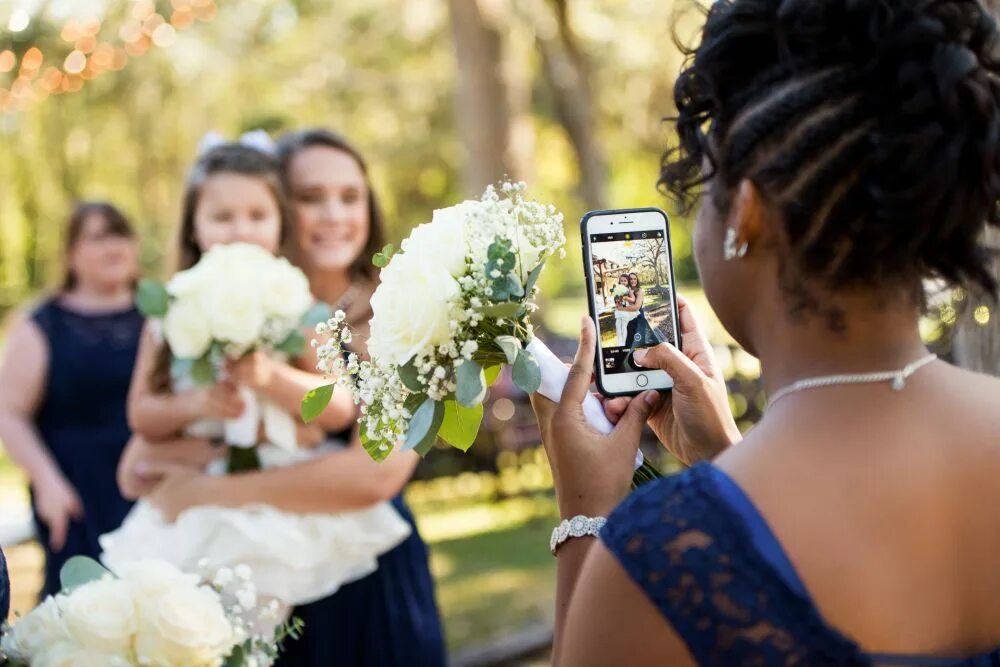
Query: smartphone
x=630, y=291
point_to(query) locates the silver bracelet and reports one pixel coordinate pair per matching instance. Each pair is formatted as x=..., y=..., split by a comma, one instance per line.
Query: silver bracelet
x=578, y=526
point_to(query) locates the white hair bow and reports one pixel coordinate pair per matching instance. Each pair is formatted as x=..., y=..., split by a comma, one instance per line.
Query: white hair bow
x=258, y=139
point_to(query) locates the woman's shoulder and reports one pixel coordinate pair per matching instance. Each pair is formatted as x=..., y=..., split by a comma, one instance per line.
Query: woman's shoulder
x=694, y=556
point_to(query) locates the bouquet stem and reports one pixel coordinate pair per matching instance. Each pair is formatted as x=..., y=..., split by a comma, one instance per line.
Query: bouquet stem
x=644, y=474
x=242, y=459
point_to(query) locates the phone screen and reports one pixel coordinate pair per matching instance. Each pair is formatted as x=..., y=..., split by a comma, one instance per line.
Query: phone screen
x=633, y=294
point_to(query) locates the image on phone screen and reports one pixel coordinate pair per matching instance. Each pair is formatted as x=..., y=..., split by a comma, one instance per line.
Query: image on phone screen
x=632, y=295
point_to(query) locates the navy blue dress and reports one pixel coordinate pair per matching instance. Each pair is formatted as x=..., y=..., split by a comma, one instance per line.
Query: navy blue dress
x=82, y=418
x=387, y=619
x=704, y=555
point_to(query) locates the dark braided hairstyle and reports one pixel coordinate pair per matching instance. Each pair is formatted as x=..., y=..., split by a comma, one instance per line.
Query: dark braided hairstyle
x=872, y=127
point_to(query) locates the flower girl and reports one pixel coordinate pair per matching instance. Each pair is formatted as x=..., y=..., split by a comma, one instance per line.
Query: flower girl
x=234, y=195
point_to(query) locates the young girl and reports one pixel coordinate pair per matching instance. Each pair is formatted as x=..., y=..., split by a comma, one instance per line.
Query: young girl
x=234, y=195
x=624, y=299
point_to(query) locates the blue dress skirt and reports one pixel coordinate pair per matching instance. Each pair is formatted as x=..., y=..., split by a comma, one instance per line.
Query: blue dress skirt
x=387, y=619
x=82, y=419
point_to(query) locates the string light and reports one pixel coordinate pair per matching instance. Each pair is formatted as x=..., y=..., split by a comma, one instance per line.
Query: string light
x=90, y=56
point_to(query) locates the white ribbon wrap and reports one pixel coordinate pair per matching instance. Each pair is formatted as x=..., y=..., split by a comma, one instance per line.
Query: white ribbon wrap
x=554, y=376
x=279, y=427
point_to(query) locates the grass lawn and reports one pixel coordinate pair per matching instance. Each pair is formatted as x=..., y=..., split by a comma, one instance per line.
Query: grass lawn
x=496, y=576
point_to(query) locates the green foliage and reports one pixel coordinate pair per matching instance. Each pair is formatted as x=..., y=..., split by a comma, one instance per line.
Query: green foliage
x=424, y=426
x=526, y=373
x=151, y=298
x=471, y=384
x=460, y=425
x=381, y=259
x=80, y=570
x=315, y=402
x=293, y=345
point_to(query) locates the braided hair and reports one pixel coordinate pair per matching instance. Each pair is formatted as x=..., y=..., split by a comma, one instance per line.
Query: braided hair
x=871, y=126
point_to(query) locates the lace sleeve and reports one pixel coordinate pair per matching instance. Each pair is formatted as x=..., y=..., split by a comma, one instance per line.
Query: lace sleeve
x=695, y=560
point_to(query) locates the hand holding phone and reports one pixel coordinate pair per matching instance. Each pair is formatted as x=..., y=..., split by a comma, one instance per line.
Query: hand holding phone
x=630, y=288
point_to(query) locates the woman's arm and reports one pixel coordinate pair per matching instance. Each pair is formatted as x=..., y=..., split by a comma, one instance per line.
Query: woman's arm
x=340, y=481
x=286, y=385
x=22, y=386
x=158, y=415
x=140, y=454
x=635, y=302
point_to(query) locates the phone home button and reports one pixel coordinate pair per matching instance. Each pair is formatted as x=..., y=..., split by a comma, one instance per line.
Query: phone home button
x=641, y=380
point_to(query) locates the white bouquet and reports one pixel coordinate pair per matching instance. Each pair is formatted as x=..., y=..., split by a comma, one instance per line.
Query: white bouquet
x=450, y=311
x=619, y=291
x=151, y=613
x=237, y=299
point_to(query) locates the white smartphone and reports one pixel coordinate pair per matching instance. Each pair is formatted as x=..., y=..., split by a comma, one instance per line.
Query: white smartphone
x=630, y=289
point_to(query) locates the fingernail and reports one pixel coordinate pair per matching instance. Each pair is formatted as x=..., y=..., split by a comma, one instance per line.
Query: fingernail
x=639, y=356
x=651, y=397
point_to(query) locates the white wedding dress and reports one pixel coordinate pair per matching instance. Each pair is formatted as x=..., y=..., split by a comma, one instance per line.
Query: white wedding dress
x=294, y=558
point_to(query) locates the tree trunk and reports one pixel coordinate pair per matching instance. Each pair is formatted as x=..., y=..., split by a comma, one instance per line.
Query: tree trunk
x=568, y=75
x=977, y=342
x=482, y=106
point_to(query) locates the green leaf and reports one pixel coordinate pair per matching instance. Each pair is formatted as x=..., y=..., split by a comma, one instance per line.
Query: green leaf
x=380, y=260
x=203, y=371
x=315, y=401
x=492, y=374
x=151, y=298
x=514, y=287
x=461, y=424
x=526, y=373
x=293, y=345
x=501, y=311
x=424, y=426
x=238, y=657
x=510, y=346
x=529, y=284
x=80, y=570
x=180, y=368
x=388, y=250
x=318, y=312
x=408, y=375
x=373, y=447
x=471, y=384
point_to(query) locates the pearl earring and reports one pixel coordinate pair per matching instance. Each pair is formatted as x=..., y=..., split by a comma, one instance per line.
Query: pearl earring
x=730, y=250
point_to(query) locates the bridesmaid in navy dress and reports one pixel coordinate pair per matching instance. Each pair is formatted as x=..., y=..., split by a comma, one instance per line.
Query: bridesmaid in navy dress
x=63, y=386
x=389, y=618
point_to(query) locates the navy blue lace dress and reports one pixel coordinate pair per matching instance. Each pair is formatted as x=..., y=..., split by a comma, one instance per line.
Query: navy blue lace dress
x=701, y=552
x=82, y=418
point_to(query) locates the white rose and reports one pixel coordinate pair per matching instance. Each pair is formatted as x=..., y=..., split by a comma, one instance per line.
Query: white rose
x=42, y=627
x=65, y=654
x=187, y=283
x=411, y=309
x=186, y=328
x=149, y=579
x=101, y=616
x=186, y=628
x=442, y=241
x=285, y=293
x=234, y=313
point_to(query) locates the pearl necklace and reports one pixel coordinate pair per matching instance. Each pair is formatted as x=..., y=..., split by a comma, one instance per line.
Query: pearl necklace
x=897, y=377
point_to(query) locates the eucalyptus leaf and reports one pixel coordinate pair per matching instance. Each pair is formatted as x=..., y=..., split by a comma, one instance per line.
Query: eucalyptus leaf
x=318, y=312
x=514, y=287
x=151, y=298
x=510, y=346
x=424, y=426
x=80, y=570
x=293, y=345
x=180, y=368
x=203, y=371
x=388, y=250
x=315, y=401
x=529, y=284
x=408, y=375
x=461, y=424
x=238, y=656
x=526, y=373
x=471, y=384
x=501, y=311
x=380, y=260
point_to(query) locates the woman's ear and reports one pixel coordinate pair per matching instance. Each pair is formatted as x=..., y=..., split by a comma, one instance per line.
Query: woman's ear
x=748, y=213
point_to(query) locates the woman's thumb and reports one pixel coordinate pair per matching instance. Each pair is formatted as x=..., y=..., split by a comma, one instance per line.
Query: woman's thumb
x=666, y=357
